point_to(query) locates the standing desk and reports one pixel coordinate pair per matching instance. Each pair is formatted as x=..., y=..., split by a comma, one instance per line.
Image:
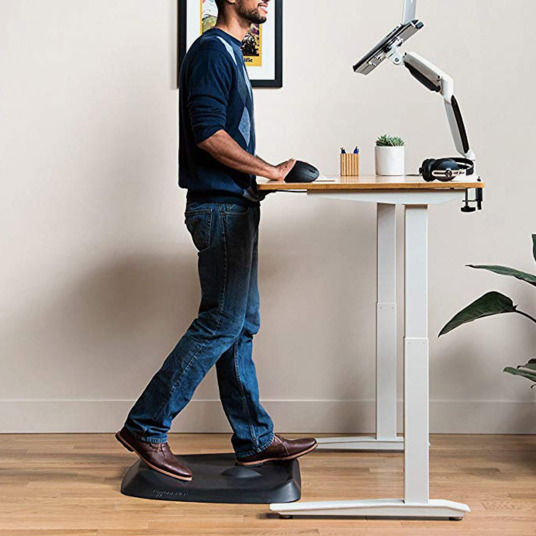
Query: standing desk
x=415, y=195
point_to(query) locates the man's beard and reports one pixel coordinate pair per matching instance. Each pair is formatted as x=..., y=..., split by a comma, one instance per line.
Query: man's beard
x=252, y=15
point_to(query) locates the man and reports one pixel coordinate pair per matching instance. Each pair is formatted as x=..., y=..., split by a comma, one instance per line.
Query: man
x=218, y=165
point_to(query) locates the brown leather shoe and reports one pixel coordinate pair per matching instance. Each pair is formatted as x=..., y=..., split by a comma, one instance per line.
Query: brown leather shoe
x=157, y=456
x=281, y=449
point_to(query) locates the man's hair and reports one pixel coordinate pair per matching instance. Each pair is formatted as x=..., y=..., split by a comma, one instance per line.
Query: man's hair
x=220, y=3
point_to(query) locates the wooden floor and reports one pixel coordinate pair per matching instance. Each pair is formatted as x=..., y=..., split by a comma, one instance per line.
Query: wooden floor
x=68, y=484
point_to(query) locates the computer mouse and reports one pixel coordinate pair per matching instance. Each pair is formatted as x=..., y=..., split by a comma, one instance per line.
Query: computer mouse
x=302, y=172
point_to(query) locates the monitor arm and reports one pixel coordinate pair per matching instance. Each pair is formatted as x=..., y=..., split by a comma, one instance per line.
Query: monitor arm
x=436, y=80
x=427, y=74
x=410, y=11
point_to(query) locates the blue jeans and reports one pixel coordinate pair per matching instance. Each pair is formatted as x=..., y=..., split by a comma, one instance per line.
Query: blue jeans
x=226, y=237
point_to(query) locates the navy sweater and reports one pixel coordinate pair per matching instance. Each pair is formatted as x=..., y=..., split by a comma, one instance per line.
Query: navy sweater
x=215, y=93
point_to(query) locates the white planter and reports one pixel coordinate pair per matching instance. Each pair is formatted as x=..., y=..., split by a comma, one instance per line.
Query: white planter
x=390, y=160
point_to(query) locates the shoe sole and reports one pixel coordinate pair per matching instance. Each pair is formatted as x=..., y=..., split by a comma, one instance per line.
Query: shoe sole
x=278, y=459
x=130, y=448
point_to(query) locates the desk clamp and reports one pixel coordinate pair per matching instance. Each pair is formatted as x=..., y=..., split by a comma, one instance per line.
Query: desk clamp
x=478, y=199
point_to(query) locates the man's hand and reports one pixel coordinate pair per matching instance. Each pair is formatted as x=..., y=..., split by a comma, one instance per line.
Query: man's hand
x=282, y=170
x=224, y=149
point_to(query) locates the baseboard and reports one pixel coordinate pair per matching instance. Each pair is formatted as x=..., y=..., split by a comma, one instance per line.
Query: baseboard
x=317, y=416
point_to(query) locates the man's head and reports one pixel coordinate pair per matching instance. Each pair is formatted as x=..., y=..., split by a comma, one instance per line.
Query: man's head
x=254, y=11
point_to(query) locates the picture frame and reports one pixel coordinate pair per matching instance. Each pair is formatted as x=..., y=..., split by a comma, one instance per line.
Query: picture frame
x=264, y=65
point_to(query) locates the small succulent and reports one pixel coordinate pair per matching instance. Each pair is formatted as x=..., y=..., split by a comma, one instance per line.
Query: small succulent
x=389, y=141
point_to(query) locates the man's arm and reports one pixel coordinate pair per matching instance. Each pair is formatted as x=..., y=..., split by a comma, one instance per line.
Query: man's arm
x=224, y=149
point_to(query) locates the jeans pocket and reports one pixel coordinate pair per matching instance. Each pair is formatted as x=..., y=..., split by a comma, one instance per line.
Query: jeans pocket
x=196, y=205
x=235, y=208
x=199, y=224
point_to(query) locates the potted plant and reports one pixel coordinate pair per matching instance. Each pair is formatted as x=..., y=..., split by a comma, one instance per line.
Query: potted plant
x=390, y=155
x=495, y=303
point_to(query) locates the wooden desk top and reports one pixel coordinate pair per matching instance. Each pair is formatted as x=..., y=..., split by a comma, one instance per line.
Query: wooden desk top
x=369, y=182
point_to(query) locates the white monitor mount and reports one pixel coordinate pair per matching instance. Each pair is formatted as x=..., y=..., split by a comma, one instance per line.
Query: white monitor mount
x=410, y=11
x=425, y=72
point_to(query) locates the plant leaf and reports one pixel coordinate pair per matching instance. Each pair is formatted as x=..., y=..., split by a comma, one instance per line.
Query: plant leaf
x=518, y=372
x=531, y=365
x=492, y=303
x=504, y=270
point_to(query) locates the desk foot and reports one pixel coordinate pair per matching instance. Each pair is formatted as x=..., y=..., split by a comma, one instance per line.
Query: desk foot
x=360, y=443
x=436, y=508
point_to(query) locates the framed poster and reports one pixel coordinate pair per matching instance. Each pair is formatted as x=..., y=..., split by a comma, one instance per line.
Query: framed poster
x=262, y=46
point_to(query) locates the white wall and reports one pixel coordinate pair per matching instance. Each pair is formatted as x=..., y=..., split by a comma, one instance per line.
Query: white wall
x=98, y=275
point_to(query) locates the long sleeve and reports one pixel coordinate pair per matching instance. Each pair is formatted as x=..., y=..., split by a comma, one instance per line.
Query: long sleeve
x=209, y=84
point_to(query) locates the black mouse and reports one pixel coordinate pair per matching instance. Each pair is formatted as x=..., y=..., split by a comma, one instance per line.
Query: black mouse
x=302, y=172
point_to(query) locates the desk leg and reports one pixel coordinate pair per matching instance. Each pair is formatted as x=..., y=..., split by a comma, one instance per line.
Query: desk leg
x=385, y=438
x=416, y=502
x=416, y=399
x=386, y=339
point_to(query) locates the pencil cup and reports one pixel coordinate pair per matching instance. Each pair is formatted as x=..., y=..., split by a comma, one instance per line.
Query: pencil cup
x=349, y=165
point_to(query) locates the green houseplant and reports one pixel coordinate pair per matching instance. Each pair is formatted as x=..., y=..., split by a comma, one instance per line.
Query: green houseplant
x=389, y=141
x=390, y=155
x=495, y=303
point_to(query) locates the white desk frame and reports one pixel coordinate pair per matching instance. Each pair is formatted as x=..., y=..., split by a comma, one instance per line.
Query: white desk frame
x=416, y=502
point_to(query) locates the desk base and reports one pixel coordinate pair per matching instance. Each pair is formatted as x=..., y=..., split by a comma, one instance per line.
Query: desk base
x=375, y=508
x=360, y=443
x=416, y=502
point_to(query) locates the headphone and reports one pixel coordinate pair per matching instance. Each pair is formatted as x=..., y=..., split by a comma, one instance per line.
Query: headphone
x=446, y=169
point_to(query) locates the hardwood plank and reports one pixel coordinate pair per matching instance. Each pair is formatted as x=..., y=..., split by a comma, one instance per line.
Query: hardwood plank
x=45, y=532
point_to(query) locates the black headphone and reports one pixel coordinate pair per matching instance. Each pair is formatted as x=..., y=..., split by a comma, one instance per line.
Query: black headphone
x=446, y=169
